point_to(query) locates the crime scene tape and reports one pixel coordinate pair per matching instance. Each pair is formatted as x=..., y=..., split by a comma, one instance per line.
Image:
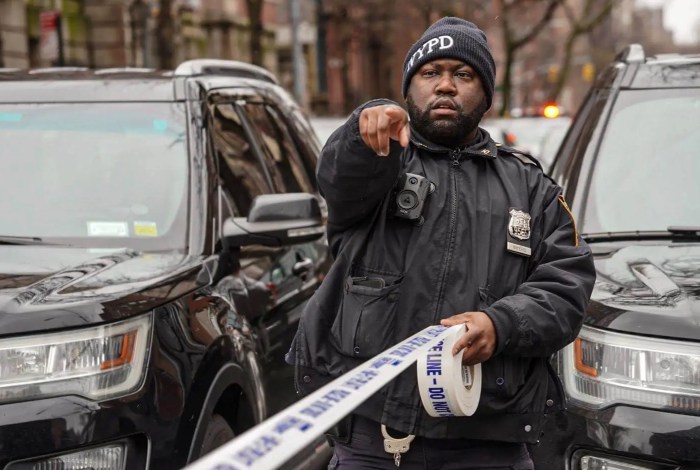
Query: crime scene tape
x=271, y=443
x=447, y=388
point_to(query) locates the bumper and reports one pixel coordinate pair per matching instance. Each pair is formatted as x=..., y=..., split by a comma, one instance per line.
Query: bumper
x=43, y=428
x=649, y=439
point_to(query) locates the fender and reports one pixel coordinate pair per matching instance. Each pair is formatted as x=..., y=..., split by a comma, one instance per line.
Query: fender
x=230, y=360
x=229, y=374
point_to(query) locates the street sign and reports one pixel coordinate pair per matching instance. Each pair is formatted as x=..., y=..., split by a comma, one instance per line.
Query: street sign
x=49, y=45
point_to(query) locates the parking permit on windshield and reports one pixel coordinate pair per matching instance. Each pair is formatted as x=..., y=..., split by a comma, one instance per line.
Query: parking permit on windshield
x=145, y=229
x=108, y=229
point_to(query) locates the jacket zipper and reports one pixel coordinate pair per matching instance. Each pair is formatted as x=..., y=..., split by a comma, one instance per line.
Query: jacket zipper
x=455, y=154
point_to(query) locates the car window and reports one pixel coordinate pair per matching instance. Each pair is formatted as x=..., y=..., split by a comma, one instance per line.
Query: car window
x=645, y=175
x=241, y=172
x=307, y=142
x=95, y=174
x=283, y=160
x=550, y=145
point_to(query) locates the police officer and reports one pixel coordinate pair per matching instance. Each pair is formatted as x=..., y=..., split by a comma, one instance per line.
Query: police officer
x=431, y=222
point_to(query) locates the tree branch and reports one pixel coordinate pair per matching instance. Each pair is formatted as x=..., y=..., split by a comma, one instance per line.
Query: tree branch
x=587, y=27
x=549, y=12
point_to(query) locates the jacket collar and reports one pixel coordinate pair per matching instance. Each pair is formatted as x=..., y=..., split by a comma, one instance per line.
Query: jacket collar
x=483, y=146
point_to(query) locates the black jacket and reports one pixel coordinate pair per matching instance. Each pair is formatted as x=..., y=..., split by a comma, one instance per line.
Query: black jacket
x=456, y=261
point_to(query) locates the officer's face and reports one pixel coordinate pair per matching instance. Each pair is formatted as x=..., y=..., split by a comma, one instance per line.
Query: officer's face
x=446, y=101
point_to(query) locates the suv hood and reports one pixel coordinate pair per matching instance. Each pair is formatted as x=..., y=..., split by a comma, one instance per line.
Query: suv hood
x=47, y=287
x=648, y=290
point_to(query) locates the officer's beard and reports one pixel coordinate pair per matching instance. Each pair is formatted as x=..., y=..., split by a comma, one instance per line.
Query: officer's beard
x=449, y=132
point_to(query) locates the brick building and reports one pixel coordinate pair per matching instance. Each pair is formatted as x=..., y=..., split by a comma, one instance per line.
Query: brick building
x=351, y=51
x=117, y=33
x=367, y=41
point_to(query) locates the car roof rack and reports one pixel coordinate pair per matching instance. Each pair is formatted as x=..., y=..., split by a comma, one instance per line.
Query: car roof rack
x=632, y=54
x=232, y=68
x=125, y=70
x=50, y=70
x=675, y=58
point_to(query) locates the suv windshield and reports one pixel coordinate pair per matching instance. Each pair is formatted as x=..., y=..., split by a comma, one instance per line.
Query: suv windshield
x=646, y=172
x=95, y=175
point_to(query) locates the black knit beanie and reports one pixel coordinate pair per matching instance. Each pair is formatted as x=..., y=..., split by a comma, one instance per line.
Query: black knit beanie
x=452, y=38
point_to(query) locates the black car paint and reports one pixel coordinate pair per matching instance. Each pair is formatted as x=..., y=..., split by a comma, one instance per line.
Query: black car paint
x=624, y=303
x=649, y=290
x=648, y=287
x=219, y=335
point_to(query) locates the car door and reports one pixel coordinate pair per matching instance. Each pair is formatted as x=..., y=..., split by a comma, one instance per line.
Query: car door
x=296, y=273
x=254, y=158
x=288, y=173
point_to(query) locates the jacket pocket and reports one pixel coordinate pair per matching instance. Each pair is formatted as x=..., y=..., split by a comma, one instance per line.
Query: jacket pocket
x=506, y=386
x=503, y=376
x=364, y=324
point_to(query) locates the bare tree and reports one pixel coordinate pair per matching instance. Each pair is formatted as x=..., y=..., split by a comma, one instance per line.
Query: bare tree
x=255, y=8
x=428, y=9
x=593, y=13
x=510, y=13
x=165, y=34
x=379, y=20
x=364, y=26
x=337, y=14
x=2, y=53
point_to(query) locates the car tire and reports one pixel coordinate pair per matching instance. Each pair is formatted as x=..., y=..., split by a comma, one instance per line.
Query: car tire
x=218, y=433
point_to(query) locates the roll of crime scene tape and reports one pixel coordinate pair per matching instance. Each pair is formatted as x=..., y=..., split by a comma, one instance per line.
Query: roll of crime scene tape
x=447, y=388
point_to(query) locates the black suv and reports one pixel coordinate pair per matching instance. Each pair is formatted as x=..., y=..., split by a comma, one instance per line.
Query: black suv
x=630, y=166
x=160, y=233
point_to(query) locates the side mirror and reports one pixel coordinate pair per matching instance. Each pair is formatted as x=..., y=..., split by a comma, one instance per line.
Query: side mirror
x=276, y=220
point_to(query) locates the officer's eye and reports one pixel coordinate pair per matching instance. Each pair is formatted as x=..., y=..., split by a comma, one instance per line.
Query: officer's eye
x=464, y=74
x=429, y=73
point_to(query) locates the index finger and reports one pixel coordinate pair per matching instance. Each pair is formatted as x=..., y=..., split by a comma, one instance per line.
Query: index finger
x=404, y=135
x=396, y=114
x=463, y=342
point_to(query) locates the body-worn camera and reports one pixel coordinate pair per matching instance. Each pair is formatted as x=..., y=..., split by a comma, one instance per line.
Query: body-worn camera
x=410, y=196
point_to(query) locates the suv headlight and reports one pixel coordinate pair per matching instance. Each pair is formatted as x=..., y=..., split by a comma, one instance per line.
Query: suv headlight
x=102, y=362
x=602, y=368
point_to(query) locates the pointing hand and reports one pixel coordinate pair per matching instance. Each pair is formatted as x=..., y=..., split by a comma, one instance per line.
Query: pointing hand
x=381, y=123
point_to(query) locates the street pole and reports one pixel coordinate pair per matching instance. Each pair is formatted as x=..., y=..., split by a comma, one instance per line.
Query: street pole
x=61, y=37
x=61, y=40
x=297, y=54
x=321, y=47
x=146, y=38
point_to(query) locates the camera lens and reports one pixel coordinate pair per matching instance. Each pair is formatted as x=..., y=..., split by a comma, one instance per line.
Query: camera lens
x=413, y=180
x=407, y=200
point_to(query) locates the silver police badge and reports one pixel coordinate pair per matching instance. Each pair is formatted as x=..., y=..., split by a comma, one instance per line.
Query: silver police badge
x=519, y=225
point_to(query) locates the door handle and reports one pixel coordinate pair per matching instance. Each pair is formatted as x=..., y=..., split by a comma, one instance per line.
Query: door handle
x=302, y=266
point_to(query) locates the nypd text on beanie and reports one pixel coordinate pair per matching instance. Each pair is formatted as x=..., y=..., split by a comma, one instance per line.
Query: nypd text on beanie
x=452, y=38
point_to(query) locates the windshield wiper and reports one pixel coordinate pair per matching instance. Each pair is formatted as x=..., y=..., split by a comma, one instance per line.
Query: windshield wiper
x=671, y=233
x=11, y=240
x=685, y=231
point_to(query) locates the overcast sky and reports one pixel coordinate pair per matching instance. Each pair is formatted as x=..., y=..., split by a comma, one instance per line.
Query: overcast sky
x=680, y=16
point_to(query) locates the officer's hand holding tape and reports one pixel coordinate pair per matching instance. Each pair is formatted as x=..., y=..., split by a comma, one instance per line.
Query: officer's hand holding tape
x=450, y=385
x=479, y=339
